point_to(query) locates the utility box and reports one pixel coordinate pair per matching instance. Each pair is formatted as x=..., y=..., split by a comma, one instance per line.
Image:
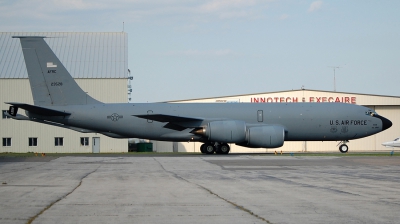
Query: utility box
x=144, y=147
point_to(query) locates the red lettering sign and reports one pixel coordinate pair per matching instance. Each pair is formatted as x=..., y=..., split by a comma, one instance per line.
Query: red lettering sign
x=317, y=99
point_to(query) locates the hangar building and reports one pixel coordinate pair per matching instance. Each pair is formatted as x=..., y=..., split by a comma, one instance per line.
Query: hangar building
x=387, y=106
x=99, y=64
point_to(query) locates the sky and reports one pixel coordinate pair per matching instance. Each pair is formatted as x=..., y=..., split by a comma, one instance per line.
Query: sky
x=187, y=49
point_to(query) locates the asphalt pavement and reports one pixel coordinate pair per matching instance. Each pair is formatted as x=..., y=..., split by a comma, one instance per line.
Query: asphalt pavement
x=200, y=189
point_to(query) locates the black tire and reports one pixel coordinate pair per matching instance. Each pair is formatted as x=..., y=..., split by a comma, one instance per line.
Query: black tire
x=209, y=148
x=202, y=148
x=343, y=148
x=224, y=148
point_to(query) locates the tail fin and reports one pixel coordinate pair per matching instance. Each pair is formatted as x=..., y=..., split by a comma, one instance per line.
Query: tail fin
x=51, y=83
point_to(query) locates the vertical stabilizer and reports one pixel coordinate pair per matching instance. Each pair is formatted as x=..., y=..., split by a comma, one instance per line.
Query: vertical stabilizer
x=51, y=83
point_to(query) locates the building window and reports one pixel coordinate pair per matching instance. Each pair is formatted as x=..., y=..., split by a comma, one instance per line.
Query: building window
x=84, y=141
x=6, y=141
x=4, y=116
x=58, y=141
x=32, y=141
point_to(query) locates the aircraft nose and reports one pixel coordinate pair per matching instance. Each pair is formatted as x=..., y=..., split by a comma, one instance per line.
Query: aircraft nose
x=386, y=123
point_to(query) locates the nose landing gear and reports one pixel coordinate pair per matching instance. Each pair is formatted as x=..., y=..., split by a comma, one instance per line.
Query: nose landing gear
x=343, y=148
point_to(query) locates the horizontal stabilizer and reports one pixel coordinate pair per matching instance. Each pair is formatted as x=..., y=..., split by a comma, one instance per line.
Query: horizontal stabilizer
x=39, y=110
x=17, y=116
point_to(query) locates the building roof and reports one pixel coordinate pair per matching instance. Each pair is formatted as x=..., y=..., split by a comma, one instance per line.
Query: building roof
x=85, y=55
x=283, y=91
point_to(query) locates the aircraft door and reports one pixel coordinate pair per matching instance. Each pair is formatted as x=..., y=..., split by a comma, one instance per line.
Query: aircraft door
x=96, y=145
x=149, y=112
x=260, y=117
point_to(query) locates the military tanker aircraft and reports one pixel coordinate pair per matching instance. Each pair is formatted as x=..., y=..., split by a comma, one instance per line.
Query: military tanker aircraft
x=59, y=101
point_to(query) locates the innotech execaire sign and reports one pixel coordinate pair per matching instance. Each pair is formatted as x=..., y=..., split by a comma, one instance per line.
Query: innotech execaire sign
x=312, y=99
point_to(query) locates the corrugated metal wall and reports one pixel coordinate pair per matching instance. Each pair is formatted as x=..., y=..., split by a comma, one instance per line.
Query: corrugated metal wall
x=85, y=55
x=97, y=60
x=308, y=95
x=18, y=90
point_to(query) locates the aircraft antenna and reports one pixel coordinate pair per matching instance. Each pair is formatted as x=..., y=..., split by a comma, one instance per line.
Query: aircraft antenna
x=334, y=76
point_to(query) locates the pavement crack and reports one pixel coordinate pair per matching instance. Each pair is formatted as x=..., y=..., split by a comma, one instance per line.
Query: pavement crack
x=30, y=220
x=215, y=194
x=234, y=204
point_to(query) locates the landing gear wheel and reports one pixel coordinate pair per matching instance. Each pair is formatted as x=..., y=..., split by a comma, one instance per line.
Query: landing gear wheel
x=202, y=148
x=343, y=148
x=209, y=148
x=224, y=148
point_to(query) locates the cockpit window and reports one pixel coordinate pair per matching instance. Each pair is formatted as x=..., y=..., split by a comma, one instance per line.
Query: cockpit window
x=370, y=113
x=396, y=139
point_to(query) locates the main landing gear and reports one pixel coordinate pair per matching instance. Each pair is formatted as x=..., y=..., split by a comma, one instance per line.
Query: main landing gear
x=218, y=148
x=343, y=148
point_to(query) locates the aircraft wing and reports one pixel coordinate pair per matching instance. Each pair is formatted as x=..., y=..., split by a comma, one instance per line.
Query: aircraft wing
x=167, y=118
x=35, y=109
x=173, y=122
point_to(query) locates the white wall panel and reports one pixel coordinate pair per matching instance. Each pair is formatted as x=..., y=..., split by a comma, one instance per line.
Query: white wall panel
x=18, y=90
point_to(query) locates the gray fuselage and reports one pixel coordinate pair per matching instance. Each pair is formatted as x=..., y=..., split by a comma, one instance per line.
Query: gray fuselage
x=301, y=121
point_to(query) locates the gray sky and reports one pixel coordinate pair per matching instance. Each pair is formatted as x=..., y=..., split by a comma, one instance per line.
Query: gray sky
x=184, y=49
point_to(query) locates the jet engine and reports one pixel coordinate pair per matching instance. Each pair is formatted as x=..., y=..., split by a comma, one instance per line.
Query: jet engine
x=230, y=131
x=265, y=136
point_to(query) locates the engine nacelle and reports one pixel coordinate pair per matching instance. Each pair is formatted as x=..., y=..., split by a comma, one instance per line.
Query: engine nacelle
x=230, y=131
x=265, y=136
